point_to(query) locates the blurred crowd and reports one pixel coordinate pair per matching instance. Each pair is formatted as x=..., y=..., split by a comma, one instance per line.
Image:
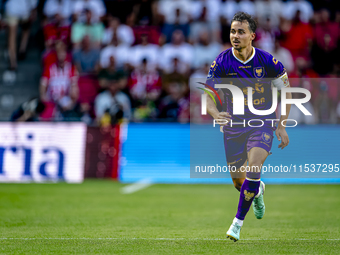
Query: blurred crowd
x=109, y=60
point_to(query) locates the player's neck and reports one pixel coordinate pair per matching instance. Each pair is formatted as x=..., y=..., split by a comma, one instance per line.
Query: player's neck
x=244, y=54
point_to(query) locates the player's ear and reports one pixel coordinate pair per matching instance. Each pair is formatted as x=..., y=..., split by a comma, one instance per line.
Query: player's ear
x=253, y=35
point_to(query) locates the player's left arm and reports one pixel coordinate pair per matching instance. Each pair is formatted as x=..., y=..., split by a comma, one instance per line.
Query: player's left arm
x=281, y=132
x=282, y=82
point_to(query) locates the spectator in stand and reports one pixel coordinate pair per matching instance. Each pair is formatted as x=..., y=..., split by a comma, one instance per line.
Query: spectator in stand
x=145, y=88
x=176, y=15
x=284, y=56
x=304, y=76
x=153, y=32
x=123, y=32
x=230, y=7
x=325, y=47
x=145, y=50
x=199, y=75
x=86, y=59
x=90, y=28
x=61, y=8
x=58, y=87
x=121, y=9
x=175, y=73
x=88, y=90
x=177, y=68
x=96, y=6
x=333, y=96
x=303, y=69
x=205, y=15
x=304, y=7
x=178, y=51
x=227, y=11
x=18, y=11
x=265, y=36
x=297, y=36
x=146, y=12
x=175, y=106
x=120, y=52
x=147, y=18
x=50, y=55
x=28, y=111
x=271, y=9
x=331, y=5
x=205, y=50
x=225, y=33
x=54, y=31
x=57, y=25
x=111, y=73
x=112, y=105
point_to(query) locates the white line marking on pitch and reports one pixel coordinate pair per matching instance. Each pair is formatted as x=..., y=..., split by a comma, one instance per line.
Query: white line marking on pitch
x=134, y=187
x=165, y=239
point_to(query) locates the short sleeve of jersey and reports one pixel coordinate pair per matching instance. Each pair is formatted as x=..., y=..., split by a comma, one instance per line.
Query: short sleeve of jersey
x=215, y=72
x=276, y=68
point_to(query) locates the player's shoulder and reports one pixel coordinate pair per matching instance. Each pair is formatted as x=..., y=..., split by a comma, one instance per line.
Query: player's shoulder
x=265, y=55
x=269, y=60
x=223, y=56
x=275, y=67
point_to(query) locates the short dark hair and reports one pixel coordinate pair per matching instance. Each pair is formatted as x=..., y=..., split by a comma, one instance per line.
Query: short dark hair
x=243, y=16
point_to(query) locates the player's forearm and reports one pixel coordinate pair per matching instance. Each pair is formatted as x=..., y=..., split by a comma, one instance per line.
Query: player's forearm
x=284, y=117
x=211, y=108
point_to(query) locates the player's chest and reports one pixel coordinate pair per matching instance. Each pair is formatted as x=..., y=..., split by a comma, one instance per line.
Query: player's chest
x=249, y=76
x=255, y=71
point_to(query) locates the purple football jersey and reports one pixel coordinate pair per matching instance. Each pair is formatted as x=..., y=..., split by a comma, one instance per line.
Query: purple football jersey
x=256, y=72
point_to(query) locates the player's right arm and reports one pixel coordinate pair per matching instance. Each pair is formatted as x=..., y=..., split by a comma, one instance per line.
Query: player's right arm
x=220, y=117
x=214, y=77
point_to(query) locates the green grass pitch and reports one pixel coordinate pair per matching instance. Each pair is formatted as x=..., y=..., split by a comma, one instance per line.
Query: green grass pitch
x=95, y=218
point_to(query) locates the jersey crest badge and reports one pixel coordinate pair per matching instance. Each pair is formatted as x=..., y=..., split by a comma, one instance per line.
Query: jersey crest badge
x=259, y=72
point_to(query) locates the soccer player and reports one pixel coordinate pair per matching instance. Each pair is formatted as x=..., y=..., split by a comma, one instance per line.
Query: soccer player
x=247, y=67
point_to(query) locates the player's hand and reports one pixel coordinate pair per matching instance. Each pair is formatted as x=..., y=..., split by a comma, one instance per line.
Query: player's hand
x=223, y=118
x=282, y=136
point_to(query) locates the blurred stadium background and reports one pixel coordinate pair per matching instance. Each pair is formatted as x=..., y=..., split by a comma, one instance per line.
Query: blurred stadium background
x=101, y=89
x=124, y=72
